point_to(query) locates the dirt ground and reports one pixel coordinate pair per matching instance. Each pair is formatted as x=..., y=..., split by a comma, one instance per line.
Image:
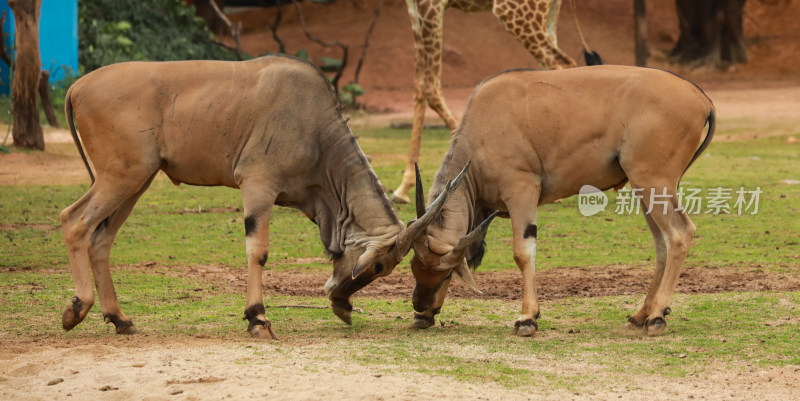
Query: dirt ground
x=559, y=283
x=765, y=93
x=141, y=368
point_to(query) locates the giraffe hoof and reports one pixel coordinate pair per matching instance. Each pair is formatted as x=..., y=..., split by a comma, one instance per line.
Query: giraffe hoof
x=401, y=199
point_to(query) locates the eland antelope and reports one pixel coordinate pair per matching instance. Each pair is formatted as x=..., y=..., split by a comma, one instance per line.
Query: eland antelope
x=534, y=137
x=271, y=127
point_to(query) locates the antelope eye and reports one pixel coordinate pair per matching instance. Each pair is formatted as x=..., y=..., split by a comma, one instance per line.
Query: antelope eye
x=378, y=268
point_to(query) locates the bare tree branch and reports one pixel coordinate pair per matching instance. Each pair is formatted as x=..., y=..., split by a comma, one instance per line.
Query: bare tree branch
x=235, y=29
x=275, y=24
x=322, y=43
x=358, y=310
x=44, y=99
x=378, y=5
x=3, y=54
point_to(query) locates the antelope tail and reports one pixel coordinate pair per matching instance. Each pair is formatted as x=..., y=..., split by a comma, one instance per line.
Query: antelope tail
x=710, y=120
x=75, y=138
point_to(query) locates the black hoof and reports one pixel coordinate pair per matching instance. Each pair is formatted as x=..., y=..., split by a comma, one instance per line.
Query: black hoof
x=525, y=328
x=656, y=326
x=122, y=326
x=261, y=329
x=422, y=322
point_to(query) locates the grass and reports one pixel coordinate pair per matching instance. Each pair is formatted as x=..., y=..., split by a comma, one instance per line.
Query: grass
x=580, y=340
x=735, y=330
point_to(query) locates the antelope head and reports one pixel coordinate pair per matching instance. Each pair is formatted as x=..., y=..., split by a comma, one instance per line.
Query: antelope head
x=435, y=262
x=366, y=259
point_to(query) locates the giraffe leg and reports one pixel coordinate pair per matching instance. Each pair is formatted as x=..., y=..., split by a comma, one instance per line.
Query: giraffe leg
x=552, y=21
x=400, y=194
x=426, y=23
x=528, y=21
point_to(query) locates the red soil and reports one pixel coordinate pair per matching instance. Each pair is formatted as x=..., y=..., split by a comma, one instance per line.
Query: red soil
x=477, y=45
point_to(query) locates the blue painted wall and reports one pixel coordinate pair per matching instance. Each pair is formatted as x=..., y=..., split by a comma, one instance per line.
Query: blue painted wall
x=58, y=39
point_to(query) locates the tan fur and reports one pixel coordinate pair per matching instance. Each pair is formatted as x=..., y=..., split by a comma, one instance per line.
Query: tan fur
x=532, y=22
x=537, y=136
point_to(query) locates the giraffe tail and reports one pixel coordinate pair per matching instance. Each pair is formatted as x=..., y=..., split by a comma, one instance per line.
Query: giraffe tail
x=591, y=56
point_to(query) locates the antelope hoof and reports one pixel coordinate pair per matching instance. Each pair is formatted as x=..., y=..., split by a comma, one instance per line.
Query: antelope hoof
x=69, y=319
x=633, y=323
x=422, y=322
x=262, y=331
x=122, y=326
x=72, y=315
x=525, y=328
x=343, y=310
x=129, y=329
x=655, y=326
x=401, y=199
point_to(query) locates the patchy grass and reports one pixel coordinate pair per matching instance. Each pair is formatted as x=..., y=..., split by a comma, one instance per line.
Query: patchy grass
x=580, y=343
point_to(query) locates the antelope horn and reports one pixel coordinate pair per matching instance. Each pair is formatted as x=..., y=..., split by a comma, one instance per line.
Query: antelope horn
x=466, y=276
x=457, y=253
x=407, y=237
x=420, y=194
x=363, y=261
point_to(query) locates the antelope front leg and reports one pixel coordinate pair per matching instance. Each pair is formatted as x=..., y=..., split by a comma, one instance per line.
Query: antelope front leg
x=523, y=223
x=257, y=208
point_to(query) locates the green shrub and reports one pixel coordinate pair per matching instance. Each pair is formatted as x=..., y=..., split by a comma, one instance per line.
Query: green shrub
x=112, y=31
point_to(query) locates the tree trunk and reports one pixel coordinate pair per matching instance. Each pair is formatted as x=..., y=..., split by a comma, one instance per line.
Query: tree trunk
x=710, y=32
x=26, y=129
x=44, y=99
x=640, y=32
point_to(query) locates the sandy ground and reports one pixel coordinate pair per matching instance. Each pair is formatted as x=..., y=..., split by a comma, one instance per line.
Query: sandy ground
x=208, y=369
x=200, y=369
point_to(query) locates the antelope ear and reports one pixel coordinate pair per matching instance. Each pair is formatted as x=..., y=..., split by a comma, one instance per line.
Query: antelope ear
x=463, y=272
x=363, y=261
